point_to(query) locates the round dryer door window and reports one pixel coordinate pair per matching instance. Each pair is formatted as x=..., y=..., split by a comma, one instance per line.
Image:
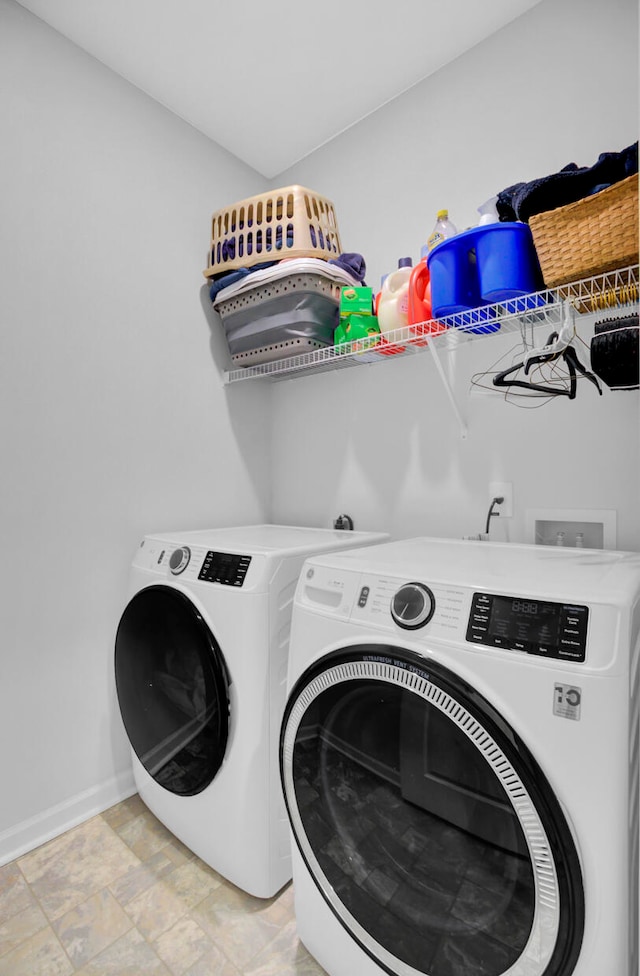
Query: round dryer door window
x=425, y=822
x=172, y=689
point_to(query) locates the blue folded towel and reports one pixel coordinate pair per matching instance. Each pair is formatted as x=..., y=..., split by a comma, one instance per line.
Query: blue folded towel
x=351, y=262
x=523, y=200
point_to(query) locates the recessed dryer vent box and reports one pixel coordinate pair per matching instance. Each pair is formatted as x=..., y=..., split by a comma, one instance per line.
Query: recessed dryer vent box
x=589, y=528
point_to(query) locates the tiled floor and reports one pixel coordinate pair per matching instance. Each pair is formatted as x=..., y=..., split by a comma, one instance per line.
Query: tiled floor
x=121, y=896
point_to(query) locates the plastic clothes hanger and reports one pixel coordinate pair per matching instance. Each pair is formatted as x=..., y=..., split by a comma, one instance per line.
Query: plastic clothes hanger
x=566, y=352
x=557, y=342
x=570, y=356
x=502, y=380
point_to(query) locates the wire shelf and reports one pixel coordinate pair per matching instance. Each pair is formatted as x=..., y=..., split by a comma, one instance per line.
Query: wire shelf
x=615, y=289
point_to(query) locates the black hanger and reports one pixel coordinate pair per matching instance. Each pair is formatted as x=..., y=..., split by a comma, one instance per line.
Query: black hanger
x=571, y=358
x=568, y=354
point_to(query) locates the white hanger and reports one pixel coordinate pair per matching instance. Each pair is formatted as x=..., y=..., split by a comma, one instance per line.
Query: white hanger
x=565, y=336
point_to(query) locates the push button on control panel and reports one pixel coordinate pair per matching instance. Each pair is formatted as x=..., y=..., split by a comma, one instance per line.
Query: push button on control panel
x=479, y=619
x=573, y=632
x=364, y=595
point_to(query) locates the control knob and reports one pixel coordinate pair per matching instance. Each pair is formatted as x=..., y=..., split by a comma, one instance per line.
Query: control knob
x=179, y=560
x=413, y=606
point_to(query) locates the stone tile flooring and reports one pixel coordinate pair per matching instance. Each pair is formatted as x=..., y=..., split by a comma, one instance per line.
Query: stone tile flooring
x=119, y=895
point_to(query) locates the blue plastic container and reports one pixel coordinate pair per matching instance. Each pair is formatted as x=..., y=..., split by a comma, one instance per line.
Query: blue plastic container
x=507, y=261
x=454, y=281
x=483, y=266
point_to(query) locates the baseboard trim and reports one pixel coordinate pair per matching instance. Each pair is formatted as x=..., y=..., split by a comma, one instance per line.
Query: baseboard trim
x=32, y=833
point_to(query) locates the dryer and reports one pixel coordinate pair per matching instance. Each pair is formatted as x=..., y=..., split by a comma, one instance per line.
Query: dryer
x=459, y=756
x=200, y=664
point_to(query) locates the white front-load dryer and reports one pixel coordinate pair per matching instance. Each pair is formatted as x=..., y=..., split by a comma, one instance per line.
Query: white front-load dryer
x=201, y=663
x=459, y=755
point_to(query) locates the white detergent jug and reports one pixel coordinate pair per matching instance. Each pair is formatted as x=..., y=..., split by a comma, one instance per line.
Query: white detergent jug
x=393, y=305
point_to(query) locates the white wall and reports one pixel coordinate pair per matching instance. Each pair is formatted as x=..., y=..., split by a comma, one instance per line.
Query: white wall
x=113, y=417
x=381, y=442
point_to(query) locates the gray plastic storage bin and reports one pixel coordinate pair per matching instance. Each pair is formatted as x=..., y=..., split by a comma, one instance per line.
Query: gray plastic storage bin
x=282, y=311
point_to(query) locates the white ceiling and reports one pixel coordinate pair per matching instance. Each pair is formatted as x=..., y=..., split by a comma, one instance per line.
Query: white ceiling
x=272, y=80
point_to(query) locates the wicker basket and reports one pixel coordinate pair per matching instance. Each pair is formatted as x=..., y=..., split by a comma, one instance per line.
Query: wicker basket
x=292, y=222
x=588, y=237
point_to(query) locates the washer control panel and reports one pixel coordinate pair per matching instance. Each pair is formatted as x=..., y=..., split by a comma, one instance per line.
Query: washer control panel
x=224, y=567
x=553, y=630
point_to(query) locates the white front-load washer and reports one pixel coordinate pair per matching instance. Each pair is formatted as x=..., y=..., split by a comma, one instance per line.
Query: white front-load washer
x=459, y=755
x=201, y=664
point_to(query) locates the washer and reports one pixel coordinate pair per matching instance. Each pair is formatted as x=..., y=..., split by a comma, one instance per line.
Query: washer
x=459, y=755
x=200, y=663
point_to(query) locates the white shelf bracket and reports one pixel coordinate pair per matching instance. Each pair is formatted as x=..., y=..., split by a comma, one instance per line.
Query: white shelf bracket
x=448, y=390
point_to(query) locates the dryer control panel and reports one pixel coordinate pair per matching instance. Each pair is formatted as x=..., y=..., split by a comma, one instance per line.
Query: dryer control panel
x=553, y=630
x=224, y=567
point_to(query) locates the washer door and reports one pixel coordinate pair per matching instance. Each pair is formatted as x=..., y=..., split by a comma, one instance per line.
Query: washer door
x=172, y=689
x=425, y=822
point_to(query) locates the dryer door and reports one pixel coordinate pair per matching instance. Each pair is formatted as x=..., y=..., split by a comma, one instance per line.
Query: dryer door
x=425, y=822
x=172, y=689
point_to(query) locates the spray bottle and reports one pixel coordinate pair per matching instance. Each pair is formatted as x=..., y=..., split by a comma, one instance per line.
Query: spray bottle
x=489, y=212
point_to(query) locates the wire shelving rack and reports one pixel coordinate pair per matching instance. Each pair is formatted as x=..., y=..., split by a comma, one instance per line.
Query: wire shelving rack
x=612, y=290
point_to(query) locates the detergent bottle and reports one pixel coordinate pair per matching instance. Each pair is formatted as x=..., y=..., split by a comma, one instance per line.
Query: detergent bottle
x=444, y=228
x=420, y=318
x=393, y=302
x=419, y=293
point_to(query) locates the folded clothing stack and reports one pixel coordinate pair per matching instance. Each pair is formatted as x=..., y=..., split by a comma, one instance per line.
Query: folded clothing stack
x=523, y=200
x=350, y=262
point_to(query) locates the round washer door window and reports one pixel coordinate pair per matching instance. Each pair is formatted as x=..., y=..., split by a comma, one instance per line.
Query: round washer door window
x=425, y=822
x=172, y=689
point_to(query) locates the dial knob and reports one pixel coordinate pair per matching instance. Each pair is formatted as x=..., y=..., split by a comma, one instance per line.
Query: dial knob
x=413, y=606
x=179, y=560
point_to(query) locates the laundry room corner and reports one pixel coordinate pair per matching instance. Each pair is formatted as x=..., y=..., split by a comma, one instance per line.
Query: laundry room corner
x=370, y=750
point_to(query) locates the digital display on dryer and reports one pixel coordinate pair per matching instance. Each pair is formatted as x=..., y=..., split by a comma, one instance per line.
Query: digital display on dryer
x=556, y=630
x=224, y=567
x=527, y=621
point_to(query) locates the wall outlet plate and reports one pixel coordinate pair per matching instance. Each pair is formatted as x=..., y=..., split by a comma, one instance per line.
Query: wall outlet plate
x=502, y=489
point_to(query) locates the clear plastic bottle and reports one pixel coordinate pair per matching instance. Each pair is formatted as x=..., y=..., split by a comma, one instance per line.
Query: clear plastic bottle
x=444, y=228
x=393, y=303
